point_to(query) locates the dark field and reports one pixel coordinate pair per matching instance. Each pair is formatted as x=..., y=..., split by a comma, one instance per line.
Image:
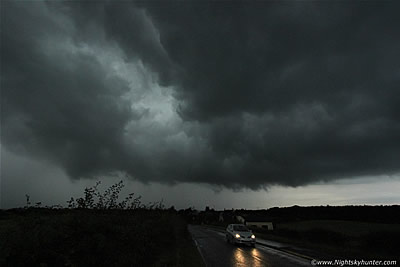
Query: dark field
x=346, y=239
x=84, y=237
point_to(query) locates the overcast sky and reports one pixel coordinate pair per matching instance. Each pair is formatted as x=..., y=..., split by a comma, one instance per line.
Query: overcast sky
x=226, y=104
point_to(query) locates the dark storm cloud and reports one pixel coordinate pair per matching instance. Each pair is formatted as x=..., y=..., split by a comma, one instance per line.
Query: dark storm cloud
x=267, y=92
x=263, y=57
x=57, y=104
x=131, y=28
x=292, y=92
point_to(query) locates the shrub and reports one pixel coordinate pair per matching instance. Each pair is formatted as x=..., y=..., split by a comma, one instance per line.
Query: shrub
x=94, y=199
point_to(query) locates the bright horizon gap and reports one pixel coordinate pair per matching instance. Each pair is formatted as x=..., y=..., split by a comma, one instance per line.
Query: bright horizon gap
x=364, y=190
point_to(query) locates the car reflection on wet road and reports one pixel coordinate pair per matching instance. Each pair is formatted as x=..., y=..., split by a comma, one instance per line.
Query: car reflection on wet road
x=217, y=252
x=241, y=257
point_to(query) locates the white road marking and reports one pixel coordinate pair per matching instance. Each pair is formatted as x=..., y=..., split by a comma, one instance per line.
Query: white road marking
x=288, y=256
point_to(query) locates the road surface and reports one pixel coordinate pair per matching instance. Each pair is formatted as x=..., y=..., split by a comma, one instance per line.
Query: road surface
x=215, y=251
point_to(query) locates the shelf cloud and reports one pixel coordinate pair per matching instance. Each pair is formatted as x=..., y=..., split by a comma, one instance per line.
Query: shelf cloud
x=235, y=95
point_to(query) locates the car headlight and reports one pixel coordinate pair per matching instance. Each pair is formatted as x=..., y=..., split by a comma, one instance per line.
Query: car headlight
x=253, y=236
x=237, y=236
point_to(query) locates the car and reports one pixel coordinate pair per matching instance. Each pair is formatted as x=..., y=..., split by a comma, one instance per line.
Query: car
x=240, y=234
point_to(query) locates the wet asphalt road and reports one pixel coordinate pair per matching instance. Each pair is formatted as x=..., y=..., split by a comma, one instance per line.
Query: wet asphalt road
x=217, y=252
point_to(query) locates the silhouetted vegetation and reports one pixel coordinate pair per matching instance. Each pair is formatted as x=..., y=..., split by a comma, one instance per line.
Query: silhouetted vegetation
x=96, y=230
x=379, y=214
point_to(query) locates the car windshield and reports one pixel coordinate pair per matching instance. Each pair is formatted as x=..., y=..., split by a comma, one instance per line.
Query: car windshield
x=240, y=228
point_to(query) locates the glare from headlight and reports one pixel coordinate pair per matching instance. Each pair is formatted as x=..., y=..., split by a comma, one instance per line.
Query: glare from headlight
x=253, y=236
x=237, y=236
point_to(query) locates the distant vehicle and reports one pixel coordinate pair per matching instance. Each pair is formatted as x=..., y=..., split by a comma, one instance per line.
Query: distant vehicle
x=240, y=234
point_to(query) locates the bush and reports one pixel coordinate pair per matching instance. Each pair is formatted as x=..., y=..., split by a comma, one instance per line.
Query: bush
x=94, y=199
x=95, y=230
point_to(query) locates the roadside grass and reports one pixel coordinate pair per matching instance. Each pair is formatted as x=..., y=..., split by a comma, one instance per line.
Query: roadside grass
x=96, y=230
x=346, y=239
x=187, y=252
x=349, y=228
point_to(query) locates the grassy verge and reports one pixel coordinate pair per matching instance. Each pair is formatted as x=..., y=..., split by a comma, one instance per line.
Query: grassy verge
x=340, y=238
x=83, y=237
